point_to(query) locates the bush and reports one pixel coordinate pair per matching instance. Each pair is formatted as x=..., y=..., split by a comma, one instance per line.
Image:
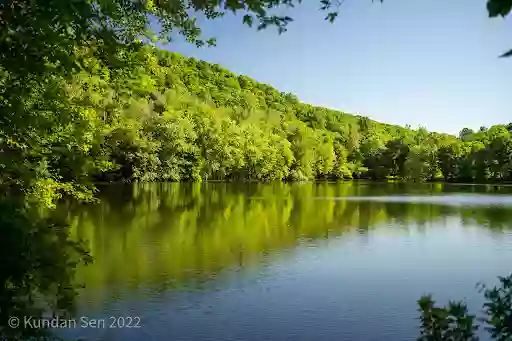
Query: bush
x=453, y=322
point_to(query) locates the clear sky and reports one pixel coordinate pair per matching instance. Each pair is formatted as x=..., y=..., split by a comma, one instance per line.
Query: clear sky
x=420, y=62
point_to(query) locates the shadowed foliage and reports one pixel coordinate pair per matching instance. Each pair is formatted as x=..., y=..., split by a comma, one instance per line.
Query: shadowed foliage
x=453, y=322
x=37, y=266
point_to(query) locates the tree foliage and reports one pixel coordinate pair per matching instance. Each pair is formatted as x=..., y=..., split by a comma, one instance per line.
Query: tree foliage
x=38, y=260
x=453, y=322
x=161, y=116
x=84, y=98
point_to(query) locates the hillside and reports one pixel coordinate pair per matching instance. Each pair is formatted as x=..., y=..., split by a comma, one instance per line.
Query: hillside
x=154, y=115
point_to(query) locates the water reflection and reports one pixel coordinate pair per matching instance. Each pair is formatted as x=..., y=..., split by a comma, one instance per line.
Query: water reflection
x=180, y=235
x=149, y=240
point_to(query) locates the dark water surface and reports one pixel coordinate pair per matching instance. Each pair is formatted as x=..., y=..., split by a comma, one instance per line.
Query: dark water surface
x=312, y=261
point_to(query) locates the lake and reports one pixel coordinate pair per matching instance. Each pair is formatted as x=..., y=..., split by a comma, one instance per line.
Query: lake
x=304, y=261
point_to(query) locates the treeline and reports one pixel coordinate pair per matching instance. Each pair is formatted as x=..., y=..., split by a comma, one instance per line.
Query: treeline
x=148, y=114
x=181, y=119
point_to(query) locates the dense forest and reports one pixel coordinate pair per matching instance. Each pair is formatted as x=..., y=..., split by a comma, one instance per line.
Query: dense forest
x=160, y=116
x=83, y=100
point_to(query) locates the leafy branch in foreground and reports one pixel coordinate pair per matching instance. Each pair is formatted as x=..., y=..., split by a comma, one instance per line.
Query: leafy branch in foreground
x=453, y=322
x=498, y=309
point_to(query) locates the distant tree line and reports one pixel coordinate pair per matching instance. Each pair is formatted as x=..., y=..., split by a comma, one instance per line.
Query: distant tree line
x=85, y=99
x=161, y=116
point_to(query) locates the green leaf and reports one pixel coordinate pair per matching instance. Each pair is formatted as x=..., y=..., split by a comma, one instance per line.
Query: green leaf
x=331, y=16
x=248, y=20
x=499, y=7
x=506, y=54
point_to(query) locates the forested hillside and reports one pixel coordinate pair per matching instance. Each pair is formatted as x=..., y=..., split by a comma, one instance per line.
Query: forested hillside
x=178, y=118
x=154, y=115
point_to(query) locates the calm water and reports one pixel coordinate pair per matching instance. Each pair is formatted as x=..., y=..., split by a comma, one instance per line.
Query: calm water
x=324, y=261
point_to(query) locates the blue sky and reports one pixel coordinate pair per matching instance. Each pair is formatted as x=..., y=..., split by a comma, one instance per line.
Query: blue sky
x=431, y=63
